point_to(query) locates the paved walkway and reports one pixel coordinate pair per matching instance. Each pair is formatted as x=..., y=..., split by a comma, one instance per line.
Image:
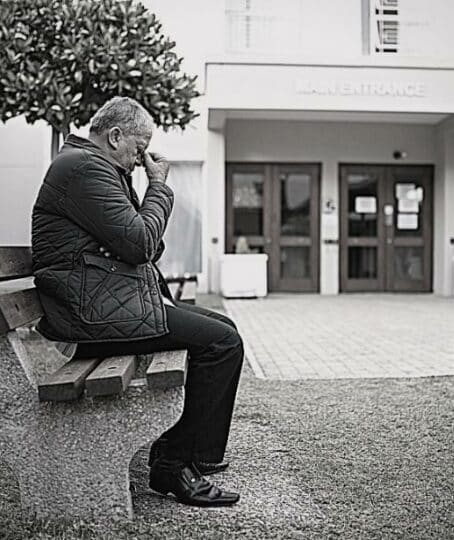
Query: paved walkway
x=291, y=336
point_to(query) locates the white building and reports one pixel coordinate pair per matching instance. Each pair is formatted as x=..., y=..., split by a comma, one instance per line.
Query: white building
x=325, y=137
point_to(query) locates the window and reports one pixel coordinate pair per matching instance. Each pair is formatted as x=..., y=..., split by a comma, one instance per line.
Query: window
x=183, y=236
x=384, y=26
x=262, y=25
x=293, y=28
x=408, y=27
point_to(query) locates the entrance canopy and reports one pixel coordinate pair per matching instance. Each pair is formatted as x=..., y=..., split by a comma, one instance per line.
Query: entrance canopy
x=218, y=117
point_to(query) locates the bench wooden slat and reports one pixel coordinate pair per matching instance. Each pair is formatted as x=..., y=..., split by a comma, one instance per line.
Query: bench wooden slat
x=188, y=293
x=15, y=262
x=167, y=369
x=19, y=284
x=18, y=308
x=68, y=382
x=111, y=376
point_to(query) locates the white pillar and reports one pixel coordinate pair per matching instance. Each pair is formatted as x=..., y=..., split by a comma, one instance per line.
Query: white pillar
x=329, y=228
x=443, y=214
x=215, y=205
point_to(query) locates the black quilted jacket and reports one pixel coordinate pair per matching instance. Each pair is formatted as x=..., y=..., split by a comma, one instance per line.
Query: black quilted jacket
x=87, y=201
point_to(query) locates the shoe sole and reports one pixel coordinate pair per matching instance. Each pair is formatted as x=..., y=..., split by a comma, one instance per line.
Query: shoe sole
x=173, y=497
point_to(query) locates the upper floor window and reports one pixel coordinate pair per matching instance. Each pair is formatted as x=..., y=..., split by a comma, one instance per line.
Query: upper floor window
x=347, y=28
x=409, y=27
x=295, y=27
x=262, y=25
x=385, y=26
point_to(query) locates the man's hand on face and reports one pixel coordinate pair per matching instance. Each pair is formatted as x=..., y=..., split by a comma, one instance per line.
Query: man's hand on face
x=156, y=167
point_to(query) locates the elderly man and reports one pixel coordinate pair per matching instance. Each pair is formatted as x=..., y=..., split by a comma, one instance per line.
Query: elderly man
x=94, y=252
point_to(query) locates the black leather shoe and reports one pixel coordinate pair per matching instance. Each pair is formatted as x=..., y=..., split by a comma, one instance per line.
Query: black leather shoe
x=188, y=486
x=157, y=449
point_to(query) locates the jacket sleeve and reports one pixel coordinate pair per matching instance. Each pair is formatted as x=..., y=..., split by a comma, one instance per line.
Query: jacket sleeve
x=159, y=251
x=96, y=200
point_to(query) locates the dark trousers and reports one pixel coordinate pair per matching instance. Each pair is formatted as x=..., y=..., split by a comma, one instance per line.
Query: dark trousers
x=214, y=366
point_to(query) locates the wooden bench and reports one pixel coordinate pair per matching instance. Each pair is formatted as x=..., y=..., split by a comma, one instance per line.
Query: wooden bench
x=72, y=457
x=183, y=288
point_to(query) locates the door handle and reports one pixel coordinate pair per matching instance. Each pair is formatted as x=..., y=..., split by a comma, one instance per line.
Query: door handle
x=388, y=210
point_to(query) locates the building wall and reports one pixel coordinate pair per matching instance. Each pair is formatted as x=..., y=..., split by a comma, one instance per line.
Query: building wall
x=24, y=155
x=237, y=70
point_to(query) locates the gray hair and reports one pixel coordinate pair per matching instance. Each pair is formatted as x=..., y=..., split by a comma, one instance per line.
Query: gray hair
x=126, y=113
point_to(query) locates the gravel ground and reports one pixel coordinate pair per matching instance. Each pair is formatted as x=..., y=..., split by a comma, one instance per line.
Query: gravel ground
x=363, y=459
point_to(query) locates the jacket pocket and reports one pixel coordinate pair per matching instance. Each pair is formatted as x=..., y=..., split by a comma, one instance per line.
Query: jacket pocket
x=112, y=291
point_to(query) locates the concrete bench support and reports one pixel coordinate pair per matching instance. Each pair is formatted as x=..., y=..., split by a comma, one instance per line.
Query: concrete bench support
x=72, y=458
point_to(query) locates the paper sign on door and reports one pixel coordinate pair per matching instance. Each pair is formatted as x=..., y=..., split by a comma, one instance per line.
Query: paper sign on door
x=366, y=205
x=407, y=221
x=408, y=205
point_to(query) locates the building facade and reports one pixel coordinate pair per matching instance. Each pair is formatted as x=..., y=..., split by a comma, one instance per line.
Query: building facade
x=325, y=139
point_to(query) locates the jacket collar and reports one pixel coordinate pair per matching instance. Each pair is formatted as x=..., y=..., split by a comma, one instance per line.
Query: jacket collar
x=86, y=144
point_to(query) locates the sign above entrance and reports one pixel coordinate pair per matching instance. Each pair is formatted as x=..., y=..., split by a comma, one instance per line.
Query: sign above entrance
x=361, y=88
x=330, y=88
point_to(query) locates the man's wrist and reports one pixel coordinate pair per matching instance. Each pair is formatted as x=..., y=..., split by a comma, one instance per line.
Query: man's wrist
x=156, y=177
x=161, y=180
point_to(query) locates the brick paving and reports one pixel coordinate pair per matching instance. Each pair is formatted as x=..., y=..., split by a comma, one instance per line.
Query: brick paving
x=292, y=336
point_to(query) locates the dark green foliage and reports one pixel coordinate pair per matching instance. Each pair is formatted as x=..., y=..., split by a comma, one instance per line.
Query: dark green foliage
x=60, y=60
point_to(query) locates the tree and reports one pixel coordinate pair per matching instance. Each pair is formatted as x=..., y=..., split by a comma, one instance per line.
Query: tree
x=60, y=60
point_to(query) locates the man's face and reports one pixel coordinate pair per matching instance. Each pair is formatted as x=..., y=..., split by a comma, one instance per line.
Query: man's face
x=132, y=150
x=128, y=150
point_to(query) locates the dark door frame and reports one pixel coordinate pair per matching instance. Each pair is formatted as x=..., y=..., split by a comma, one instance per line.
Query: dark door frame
x=271, y=240
x=385, y=242
x=311, y=284
x=360, y=285
x=425, y=241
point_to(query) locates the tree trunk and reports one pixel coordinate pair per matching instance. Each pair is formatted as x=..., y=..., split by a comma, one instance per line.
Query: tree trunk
x=55, y=146
x=56, y=135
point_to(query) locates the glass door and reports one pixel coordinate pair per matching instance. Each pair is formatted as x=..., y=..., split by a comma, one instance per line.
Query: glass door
x=386, y=228
x=361, y=228
x=248, y=208
x=274, y=209
x=408, y=229
x=295, y=231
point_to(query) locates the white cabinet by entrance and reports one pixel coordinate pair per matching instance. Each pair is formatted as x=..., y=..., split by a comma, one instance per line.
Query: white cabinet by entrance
x=244, y=275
